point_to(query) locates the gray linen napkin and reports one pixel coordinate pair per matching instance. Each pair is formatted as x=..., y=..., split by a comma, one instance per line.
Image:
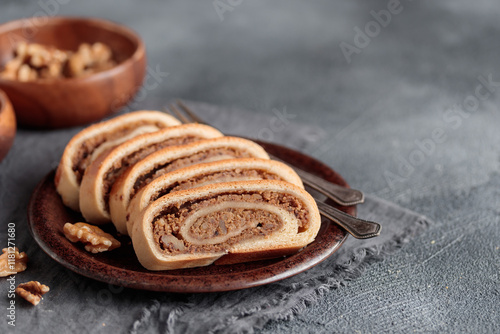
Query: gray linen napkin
x=76, y=303
x=241, y=311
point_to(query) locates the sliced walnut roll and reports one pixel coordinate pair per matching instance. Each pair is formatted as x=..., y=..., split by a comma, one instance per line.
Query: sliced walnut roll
x=233, y=222
x=103, y=171
x=234, y=170
x=170, y=159
x=89, y=143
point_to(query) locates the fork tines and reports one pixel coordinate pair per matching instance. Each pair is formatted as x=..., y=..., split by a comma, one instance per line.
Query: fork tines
x=186, y=116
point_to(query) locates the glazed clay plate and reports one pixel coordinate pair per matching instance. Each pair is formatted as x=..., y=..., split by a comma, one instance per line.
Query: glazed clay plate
x=47, y=216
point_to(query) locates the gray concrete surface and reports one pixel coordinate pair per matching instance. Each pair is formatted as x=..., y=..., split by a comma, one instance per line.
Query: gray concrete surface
x=400, y=120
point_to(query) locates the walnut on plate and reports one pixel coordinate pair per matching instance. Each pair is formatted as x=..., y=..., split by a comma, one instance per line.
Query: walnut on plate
x=32, y=291
x=12, y=262
x=94, y=239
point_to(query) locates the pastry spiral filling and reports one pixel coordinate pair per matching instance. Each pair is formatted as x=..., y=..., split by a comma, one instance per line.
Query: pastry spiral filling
x=217, y=177
x=120, y=166
x=213, y=224
x=91, y=148
x=200, y=157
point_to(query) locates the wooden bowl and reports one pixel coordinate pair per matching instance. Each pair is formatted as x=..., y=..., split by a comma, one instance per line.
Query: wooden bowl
x=68, y=102
x=7, y=125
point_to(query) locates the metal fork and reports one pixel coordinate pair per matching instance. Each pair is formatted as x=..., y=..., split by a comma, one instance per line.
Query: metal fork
x=340, y=195
x=358, y=228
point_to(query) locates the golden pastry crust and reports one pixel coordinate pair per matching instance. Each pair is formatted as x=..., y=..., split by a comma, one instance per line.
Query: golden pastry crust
x=121, y=128
x=185, y=178
x=102, y=172
x=126, y=185
x=298, y=225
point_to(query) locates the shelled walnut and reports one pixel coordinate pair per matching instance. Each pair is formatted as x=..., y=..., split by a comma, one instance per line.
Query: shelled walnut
x=94, y=239
x=12, y=262
x=36, y=61
x=32, y=291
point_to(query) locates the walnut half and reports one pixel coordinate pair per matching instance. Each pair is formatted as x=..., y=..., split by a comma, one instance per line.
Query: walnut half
x=32, y=291
x=12, y=262
x=35, y=61
x=95, y=239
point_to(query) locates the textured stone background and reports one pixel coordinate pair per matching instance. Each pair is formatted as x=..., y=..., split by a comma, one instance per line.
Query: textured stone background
x=369, y=115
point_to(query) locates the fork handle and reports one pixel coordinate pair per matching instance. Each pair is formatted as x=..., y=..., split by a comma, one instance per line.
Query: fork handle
x=338, y=194
x=358, y=228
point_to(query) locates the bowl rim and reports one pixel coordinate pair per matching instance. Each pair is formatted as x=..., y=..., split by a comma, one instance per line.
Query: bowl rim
x=4, y=101
x=107, y=24
x=6, y=108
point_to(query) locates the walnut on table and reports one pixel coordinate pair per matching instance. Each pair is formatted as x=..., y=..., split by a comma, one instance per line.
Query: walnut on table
x=95, y=239
x=12, y=262
x=32, y=291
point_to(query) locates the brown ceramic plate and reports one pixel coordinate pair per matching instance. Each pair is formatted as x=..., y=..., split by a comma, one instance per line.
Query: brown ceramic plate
x=47, y=215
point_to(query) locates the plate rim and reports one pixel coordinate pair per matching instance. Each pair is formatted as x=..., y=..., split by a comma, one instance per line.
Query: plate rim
x=227, y=281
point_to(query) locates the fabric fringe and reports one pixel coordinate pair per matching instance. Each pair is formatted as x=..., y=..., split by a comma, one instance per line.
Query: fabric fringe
x=282, y=306
x=145, y=317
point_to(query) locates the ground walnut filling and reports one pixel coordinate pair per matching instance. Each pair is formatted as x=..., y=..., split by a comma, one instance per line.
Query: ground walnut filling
x=250, y=223
x=208, y=155
x=217, y=177
x=120, y=166
x=230, y=221
x=81, y=160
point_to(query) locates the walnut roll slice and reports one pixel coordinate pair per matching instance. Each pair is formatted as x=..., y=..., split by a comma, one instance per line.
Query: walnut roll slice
x=233, y=170
x=102, y=172
x=96, y=139
x=173, y=158
x=229, y=222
